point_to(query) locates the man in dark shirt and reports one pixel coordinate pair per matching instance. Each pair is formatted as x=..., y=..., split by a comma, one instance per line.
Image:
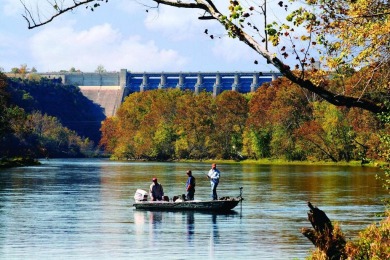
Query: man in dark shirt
x=190, y=186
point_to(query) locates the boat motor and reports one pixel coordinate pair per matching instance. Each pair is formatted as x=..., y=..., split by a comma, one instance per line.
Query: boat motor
x=141, y=195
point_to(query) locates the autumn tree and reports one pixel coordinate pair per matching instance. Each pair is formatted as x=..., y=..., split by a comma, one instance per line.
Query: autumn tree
x=157, y=131
x=109, y=139
x=23, y=70
x=119, y=133
x=231, y=116
x=144, y=126
x=275, y=111
x=327, y=135
x=195, y=122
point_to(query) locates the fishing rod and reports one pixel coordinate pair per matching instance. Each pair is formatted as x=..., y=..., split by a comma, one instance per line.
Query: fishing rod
x=198, y=169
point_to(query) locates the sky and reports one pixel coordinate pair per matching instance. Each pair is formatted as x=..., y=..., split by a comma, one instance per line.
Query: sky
x=122, y=35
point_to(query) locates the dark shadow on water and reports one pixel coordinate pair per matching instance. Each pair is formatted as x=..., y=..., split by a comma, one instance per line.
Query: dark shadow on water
x=228, y=212
x=190, y=226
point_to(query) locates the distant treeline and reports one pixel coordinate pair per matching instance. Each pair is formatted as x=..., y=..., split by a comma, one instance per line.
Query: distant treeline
x=280, y=120
x=43, y=118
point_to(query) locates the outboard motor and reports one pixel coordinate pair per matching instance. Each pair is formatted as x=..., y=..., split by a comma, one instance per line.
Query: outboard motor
x=140, y=195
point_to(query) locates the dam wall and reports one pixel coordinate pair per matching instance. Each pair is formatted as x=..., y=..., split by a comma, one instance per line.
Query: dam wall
x=109, y=89
x=108, y=97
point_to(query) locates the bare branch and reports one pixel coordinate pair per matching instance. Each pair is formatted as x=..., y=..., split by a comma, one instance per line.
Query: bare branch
x=32, y=23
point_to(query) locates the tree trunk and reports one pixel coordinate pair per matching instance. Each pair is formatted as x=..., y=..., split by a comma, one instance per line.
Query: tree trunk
x=323, y=236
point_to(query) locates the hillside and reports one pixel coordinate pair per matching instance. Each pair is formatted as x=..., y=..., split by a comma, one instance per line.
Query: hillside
x=65, y=102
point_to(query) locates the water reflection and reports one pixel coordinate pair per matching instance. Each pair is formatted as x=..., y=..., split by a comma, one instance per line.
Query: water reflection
x=156, y=226
x=214, y=235
x=190, y=226
x=139, y=221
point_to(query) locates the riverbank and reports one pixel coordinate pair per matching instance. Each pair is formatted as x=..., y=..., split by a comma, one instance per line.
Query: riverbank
x=17, y=162
x=270, y=161
x=20, y=162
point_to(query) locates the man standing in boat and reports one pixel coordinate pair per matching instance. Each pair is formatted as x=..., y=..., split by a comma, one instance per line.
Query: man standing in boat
x=156, y=190
x=213, y=176
x=190, y=186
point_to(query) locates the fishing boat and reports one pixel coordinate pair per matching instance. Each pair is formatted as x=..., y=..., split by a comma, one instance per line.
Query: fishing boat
x=178, y=203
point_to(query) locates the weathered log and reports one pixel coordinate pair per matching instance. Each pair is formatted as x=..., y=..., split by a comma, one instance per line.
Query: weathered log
x=322, y=236
x=319, y=220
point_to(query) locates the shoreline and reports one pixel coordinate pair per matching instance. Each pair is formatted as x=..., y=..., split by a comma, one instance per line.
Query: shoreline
x=285, y=162
x=23, y=162
x=17, y=162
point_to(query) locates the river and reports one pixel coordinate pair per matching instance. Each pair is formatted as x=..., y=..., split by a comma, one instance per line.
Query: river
x=82, y=209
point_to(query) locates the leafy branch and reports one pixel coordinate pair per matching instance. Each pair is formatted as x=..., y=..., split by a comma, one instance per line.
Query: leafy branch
x=234, y=25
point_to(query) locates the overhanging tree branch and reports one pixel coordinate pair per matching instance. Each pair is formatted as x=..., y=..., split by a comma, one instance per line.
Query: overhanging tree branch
x=211, y=12
x=32, y=23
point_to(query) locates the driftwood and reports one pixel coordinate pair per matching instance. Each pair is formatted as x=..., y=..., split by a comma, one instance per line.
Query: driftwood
x=323, y=236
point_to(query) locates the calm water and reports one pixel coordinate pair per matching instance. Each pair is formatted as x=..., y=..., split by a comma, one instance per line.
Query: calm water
x=82, y=209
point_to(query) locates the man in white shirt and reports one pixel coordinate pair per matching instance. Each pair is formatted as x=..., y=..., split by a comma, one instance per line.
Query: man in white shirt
x=213, y=176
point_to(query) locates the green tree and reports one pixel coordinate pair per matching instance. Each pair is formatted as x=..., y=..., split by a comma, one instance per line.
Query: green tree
x=16, y=140
x=257, y=143
x=100, y=69
x=15, y=70
x=52, y=139
x=4, y=99
x=50, y=97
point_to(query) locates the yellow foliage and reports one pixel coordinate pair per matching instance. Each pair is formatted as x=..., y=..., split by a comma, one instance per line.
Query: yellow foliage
x=362, y=29
x=373, y=243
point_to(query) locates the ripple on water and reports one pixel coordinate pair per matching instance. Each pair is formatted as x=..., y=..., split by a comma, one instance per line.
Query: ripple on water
x=82, y=209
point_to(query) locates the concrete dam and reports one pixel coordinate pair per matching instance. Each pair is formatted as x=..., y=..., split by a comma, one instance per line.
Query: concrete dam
x=109, y=89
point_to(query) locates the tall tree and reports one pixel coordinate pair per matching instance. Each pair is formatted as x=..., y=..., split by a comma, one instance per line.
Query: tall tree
x=195, y=122
x=305, y=24
x=275, y=111
x=231, y=116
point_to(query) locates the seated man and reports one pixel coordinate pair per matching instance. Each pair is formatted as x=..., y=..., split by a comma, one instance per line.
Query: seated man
x=156, y=190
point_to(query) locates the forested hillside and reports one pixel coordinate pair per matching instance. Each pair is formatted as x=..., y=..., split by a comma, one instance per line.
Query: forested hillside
x=65, y=102
x=34, y=117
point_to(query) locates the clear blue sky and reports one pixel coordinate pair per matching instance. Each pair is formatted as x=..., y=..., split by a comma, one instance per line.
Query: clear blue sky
x=122, y=35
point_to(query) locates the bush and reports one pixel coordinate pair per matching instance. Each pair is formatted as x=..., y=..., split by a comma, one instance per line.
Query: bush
x=373, y=242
